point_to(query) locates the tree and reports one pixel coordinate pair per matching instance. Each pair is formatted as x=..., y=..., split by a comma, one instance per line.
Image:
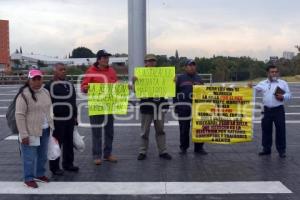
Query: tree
x=120, y=55
x=82, y=52
x=172, y=61
x=176, y=55
x=162, y=60
x=41, y=64
x=298, y=47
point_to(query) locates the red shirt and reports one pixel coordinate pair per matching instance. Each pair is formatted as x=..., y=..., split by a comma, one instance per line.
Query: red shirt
x=98, y=75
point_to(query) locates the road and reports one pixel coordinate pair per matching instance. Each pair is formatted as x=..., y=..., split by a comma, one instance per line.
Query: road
x=227, y=172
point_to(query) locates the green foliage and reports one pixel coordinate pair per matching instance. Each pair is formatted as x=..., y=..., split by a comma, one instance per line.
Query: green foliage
x=289, y=67
x=176, y=54
x=120, y=55
x=298, y=48
x=222, y=68
x=82, y=52
x=76, y=70
x=162, y=60
x=41, y=64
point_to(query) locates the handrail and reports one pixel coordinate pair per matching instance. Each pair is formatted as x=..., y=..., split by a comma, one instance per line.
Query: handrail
x=14, y=79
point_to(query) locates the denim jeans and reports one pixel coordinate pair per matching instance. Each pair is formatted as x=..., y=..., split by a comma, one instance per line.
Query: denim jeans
x=107, y=123
x=35, y=157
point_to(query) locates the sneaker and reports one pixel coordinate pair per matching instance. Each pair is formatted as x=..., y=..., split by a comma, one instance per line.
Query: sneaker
x=141, y=156
x=31, y=184
x=165, y=156
x=57, y=172
x=71, y=168
x=43, y=179
x=97, y=162
x=111, y=159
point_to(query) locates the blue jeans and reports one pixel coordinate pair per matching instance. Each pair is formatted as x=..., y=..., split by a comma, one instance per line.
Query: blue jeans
x=35, y=157
x=108, y=128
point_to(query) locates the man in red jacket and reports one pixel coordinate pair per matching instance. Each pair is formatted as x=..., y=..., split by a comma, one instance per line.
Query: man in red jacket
x=101, y=72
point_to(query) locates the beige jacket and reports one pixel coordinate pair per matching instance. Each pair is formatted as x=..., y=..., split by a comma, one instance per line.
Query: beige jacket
x=30, y=116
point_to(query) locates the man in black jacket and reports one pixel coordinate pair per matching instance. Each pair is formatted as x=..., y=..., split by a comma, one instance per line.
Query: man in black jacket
x=153, y=109
x=63, y=97
x=183, y=105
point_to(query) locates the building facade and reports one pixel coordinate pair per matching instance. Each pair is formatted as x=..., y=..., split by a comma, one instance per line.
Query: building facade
x=27, y=61
x=4, y=46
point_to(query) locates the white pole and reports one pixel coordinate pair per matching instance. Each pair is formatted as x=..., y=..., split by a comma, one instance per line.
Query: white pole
x=136, y=34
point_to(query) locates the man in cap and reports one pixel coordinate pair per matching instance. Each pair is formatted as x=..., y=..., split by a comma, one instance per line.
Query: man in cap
x=63, y=96
x=101, y=72
x=151, y=110
x=183, y=105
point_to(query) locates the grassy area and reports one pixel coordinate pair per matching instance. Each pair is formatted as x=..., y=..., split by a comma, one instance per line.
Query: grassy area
x=295, y=78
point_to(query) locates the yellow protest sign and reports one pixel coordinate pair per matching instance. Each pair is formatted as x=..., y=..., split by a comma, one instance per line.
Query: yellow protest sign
x=154, y=82
x=108, y=98
x=222, y=115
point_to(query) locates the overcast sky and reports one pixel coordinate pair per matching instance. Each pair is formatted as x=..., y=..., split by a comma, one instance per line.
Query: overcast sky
x=203, y=28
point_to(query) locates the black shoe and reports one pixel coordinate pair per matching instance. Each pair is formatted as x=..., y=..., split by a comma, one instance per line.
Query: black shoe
x=165, y=156
x=264, y=153
x=71, y=168
x=57, y=172
x=182, y=151
x=282, y=155
x=201, y=152
x=141, y=156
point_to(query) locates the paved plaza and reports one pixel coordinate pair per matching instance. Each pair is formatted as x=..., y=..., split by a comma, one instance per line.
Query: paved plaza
x=231, y=172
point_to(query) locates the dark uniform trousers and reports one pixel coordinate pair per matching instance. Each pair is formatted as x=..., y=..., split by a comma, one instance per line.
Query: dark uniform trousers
x=64, y=134
x=274, y=115
x=184, y=128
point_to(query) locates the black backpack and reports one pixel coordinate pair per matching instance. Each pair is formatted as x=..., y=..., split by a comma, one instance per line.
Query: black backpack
x=10, y=114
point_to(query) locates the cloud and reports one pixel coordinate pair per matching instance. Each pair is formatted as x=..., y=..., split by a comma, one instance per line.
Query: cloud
x=195, y=27
x=238, y=41
x=56, y=27
x=229, y=28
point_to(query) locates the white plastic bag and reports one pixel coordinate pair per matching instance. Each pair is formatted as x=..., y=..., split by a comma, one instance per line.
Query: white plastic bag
x=53, y=149
x=78, y=140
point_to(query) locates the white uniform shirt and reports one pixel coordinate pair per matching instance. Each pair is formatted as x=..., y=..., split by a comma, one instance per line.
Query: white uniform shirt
x=268, y=88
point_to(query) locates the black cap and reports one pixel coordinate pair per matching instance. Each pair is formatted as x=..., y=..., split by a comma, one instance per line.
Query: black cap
x=190, y=62
x=102, y=53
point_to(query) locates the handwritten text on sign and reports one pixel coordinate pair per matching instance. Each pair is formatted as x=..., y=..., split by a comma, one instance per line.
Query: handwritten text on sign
x=155, y=82
x=107, y=98
x=222, y=114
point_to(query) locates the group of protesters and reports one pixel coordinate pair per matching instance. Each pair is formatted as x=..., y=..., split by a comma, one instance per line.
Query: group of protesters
x=36, y=120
